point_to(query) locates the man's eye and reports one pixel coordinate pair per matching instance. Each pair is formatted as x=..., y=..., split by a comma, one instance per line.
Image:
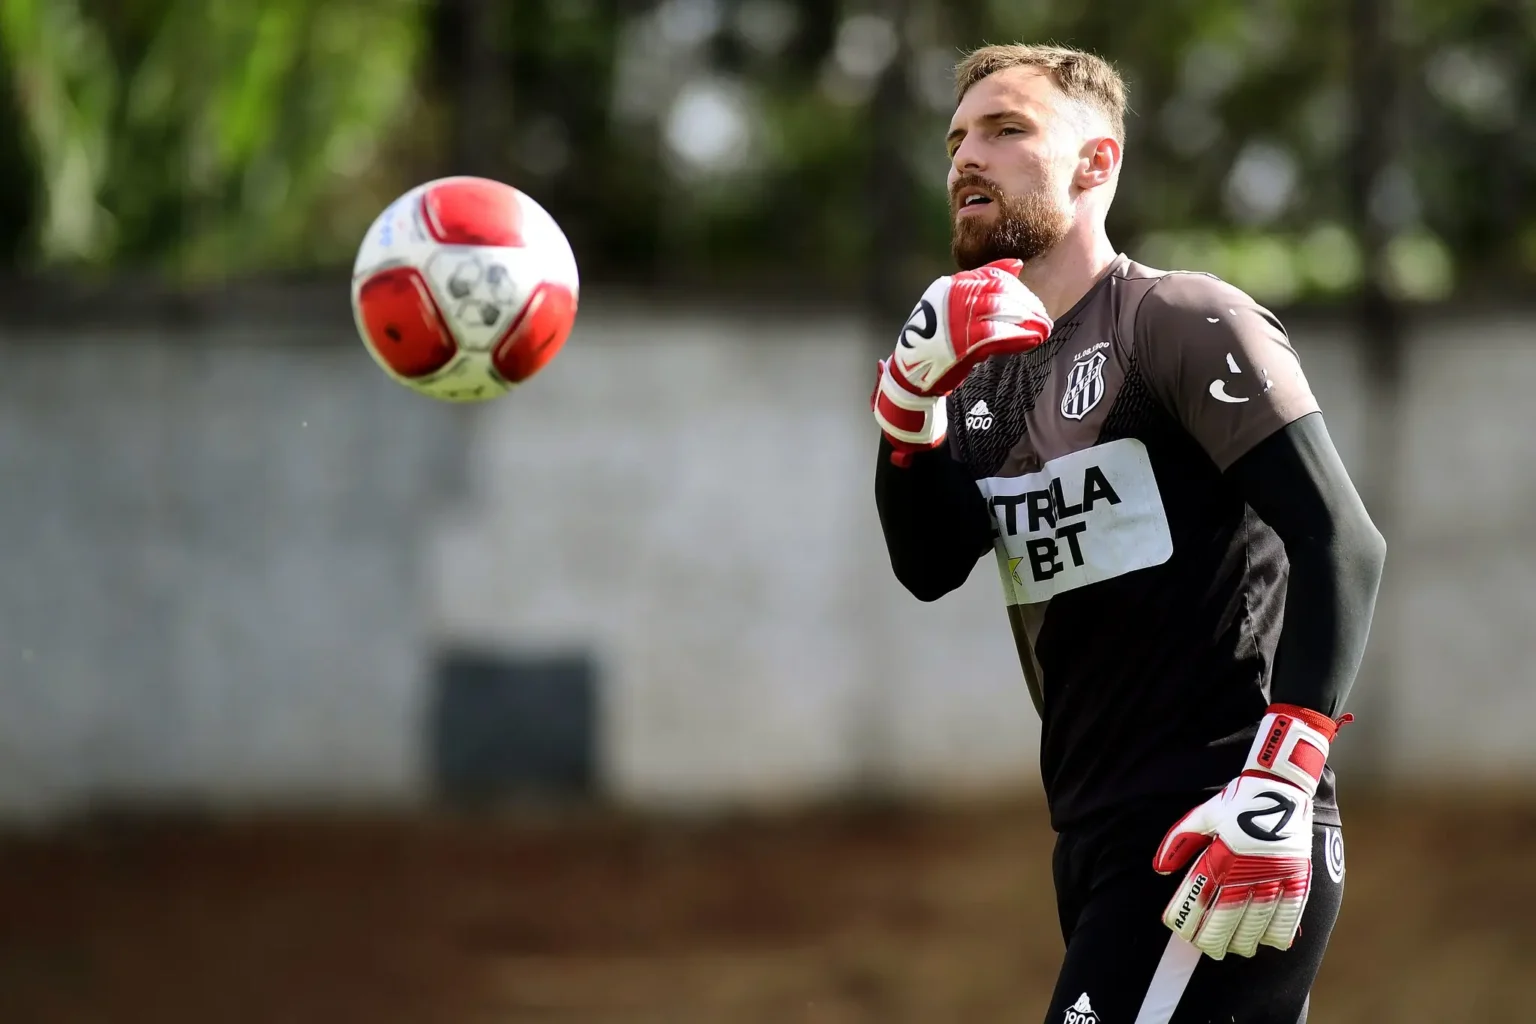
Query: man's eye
x=1009, y=130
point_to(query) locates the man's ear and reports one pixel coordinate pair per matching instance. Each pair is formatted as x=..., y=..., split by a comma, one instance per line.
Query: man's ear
x=1100, y=159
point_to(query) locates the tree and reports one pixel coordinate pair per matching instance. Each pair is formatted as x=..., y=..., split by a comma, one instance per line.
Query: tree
x=740, y=141
x=201, y=137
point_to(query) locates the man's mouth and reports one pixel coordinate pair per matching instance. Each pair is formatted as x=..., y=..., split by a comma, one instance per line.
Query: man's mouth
x=973, y=202
x=971, y=197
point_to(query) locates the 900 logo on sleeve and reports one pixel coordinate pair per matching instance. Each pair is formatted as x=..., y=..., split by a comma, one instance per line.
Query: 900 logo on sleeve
x=979, y=417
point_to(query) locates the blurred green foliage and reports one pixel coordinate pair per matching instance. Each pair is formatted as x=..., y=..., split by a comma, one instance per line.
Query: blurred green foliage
x=736, y=140
x=201, y=136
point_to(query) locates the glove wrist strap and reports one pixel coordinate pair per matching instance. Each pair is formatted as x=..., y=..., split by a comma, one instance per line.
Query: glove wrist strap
x=910, y=420
x=1293, y=744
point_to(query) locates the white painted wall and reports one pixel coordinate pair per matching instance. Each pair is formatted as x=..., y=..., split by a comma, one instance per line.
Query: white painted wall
x=208, y=590
x=1462, y=630
x=696, y=501
x=226, y=563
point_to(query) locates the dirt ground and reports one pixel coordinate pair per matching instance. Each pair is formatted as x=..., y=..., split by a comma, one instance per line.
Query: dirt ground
x=831, y=918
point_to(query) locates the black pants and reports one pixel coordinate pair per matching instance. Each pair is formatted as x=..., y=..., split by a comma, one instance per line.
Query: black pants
x=1123, y=965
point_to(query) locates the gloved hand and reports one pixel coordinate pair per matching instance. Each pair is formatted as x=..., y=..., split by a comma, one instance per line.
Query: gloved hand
x=1250, y=883
x=961, y=320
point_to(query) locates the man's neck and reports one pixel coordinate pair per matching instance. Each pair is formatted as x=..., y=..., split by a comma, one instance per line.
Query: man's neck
x=1063, y=276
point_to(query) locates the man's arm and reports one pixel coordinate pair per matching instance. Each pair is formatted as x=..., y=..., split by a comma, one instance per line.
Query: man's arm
x=1222, y=364
x=1253, y=839
x=1223, y=367
x=935, y=521
x=1296, y=483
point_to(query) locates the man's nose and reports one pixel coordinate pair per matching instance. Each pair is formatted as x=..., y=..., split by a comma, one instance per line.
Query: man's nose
x=968, y=157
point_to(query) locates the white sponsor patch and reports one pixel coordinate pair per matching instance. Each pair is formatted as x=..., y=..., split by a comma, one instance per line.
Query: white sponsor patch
x=1088, y=516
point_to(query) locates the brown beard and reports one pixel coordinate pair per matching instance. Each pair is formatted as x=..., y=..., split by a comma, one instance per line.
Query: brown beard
x=1026, y=226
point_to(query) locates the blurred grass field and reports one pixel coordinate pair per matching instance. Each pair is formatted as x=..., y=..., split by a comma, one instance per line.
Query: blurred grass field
x=835, y=917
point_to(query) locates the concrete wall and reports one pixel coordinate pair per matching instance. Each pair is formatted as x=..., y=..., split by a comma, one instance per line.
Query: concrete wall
x=1461, y=632
x=208, y=588
x=695, y=501
x=229, y=562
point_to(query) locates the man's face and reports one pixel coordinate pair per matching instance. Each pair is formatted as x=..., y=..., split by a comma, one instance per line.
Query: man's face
x=1013, y=148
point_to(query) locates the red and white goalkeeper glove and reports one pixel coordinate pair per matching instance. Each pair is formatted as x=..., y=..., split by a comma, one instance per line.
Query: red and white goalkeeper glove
x=1250, y=884
x=961, y=320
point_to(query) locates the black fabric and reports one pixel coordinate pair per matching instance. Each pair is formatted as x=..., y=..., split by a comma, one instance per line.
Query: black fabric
x=1021, y=378
x=1296, y=489
x=1296, y=483
x=935, y=522
x=1110, y=903
x=1235, y=568
x=1155, y=681
x=1152, y=683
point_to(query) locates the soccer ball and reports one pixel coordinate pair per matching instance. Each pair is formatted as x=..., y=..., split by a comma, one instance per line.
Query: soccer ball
x=463, y=288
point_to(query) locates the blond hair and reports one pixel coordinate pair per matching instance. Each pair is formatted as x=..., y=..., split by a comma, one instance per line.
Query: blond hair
x=1083, y=77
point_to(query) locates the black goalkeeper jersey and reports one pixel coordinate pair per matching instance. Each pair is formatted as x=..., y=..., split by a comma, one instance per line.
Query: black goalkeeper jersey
x=1145, y=596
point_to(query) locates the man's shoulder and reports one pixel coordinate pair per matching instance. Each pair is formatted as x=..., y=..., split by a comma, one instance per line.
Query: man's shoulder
x=1170, y=290
x=1175, y=302
x=1128, y=284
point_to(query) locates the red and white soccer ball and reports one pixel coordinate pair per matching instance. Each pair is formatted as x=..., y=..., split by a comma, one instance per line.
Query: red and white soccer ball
x=464, y=288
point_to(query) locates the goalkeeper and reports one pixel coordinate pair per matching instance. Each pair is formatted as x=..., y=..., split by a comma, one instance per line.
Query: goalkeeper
x=1189, y=572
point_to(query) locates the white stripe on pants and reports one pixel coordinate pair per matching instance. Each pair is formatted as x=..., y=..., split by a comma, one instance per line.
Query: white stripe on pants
x=1168, y=981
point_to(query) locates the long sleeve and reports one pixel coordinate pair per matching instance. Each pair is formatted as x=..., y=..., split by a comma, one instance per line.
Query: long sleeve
x=935, y=521
x=1297, y=484
x=1224, y=367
